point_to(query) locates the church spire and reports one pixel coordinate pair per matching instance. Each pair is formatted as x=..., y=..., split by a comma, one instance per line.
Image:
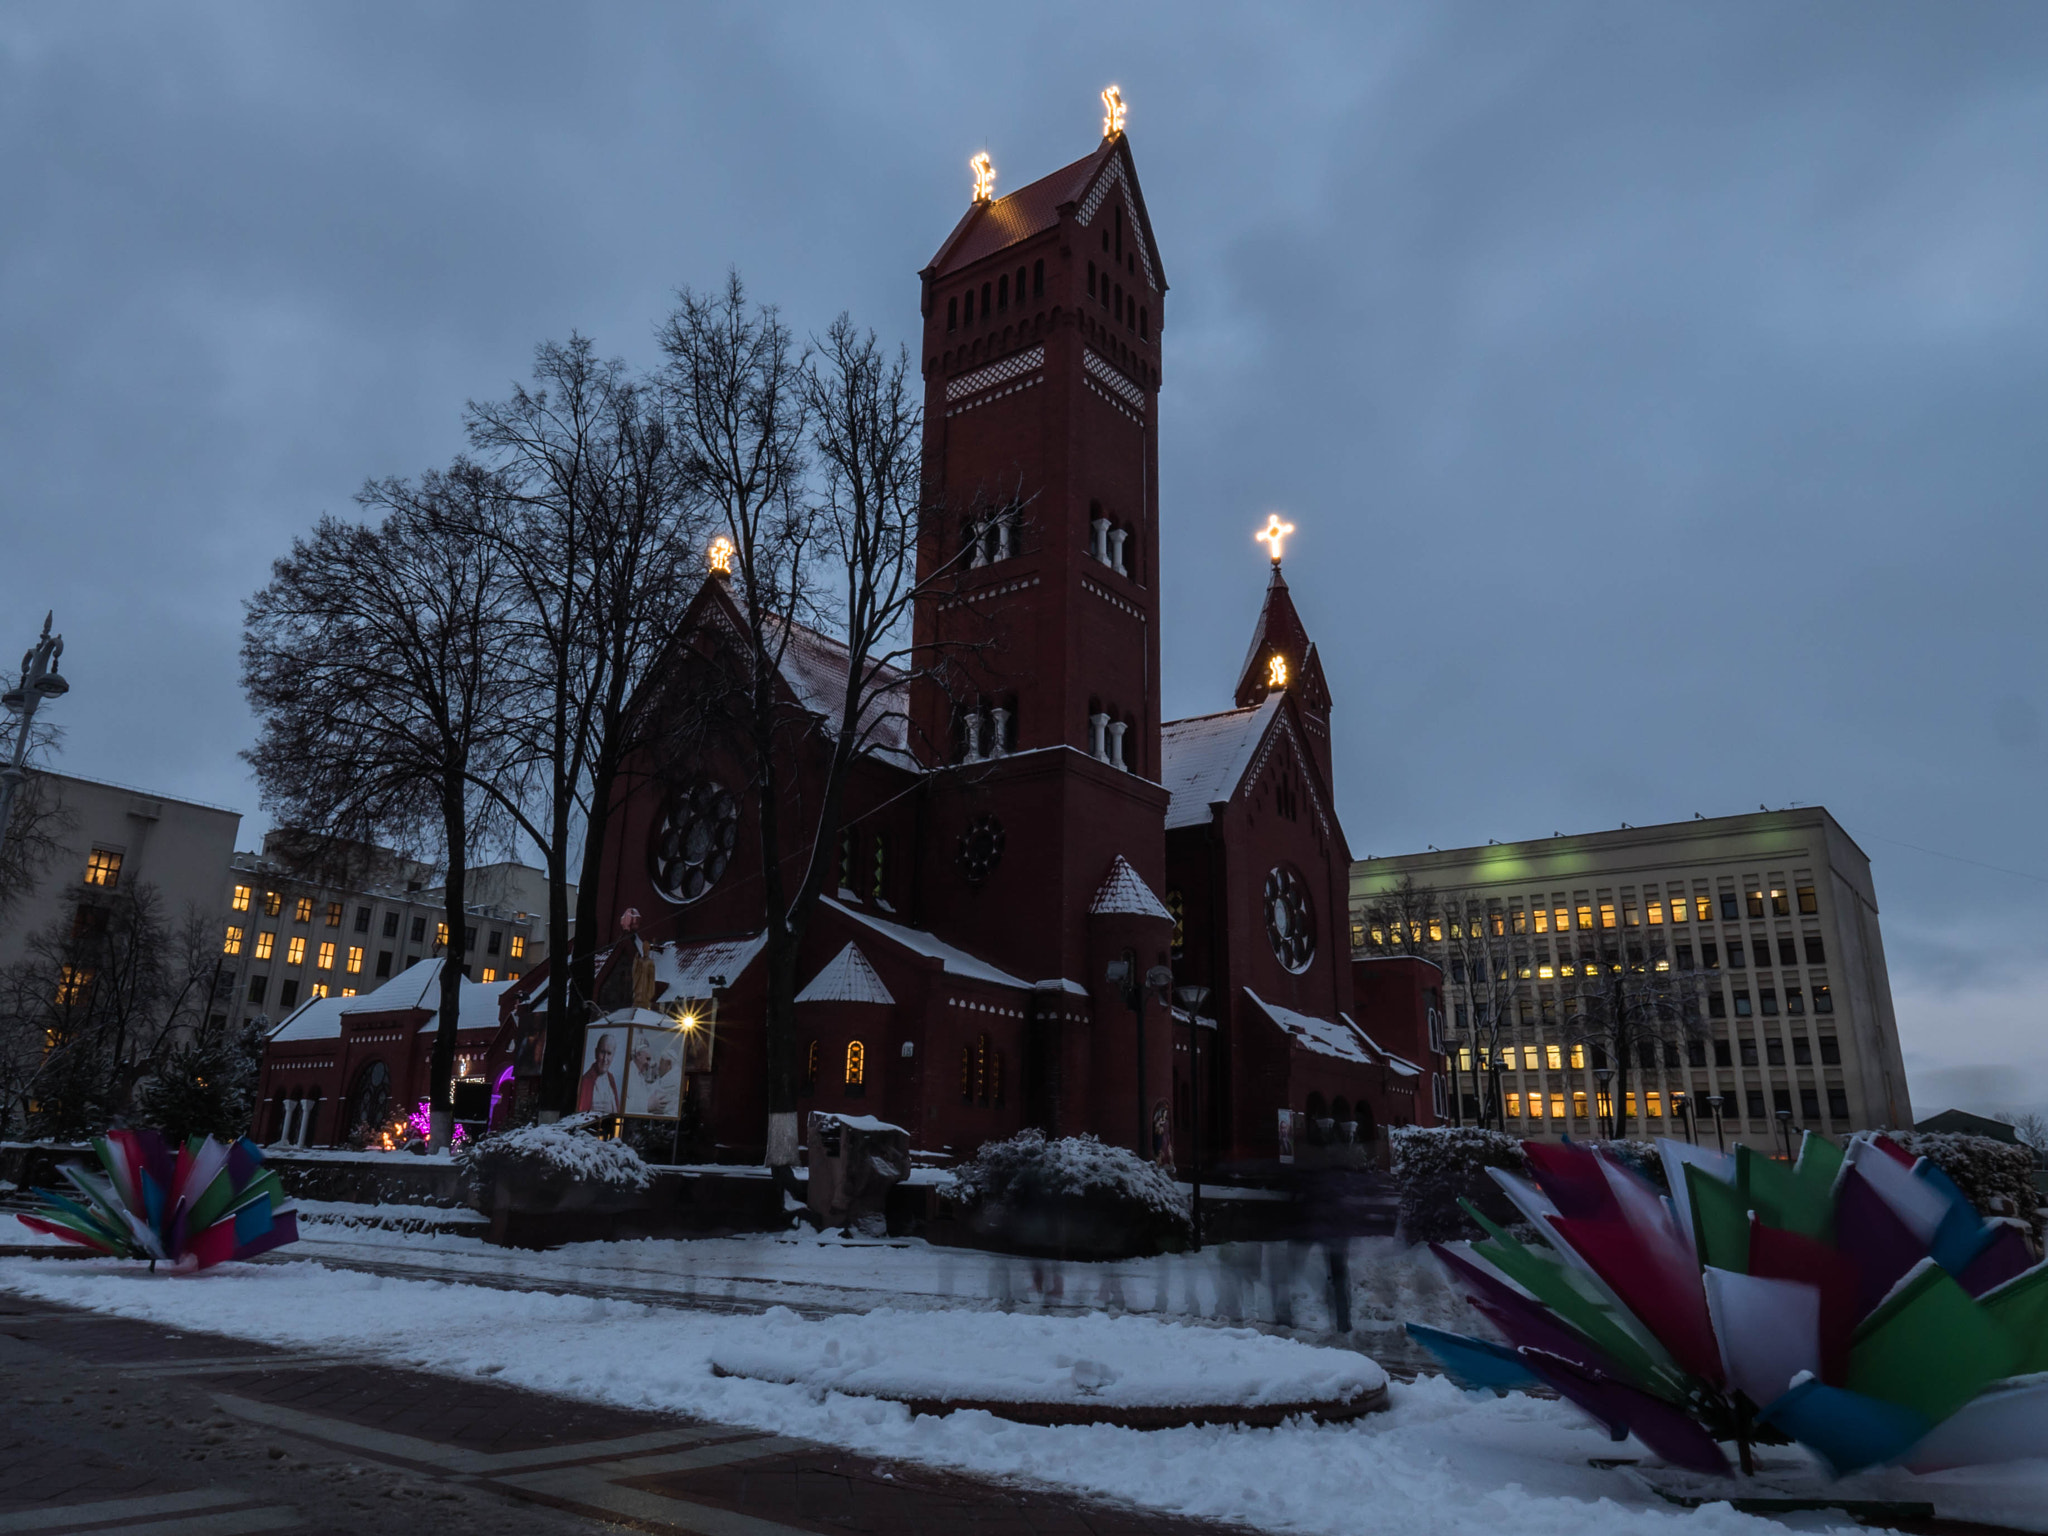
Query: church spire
x=1282, y=657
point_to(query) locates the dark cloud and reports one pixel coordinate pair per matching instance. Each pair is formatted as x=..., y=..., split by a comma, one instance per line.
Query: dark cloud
x=1656, y=390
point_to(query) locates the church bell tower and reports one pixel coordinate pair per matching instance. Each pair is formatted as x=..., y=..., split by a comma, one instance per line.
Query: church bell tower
x=1042, y=316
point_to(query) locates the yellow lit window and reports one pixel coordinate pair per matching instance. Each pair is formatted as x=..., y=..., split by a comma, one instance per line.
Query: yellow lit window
x=1521, y=922
x=241, y=901
x=1578, y=1058
x=318, y=989
x=302, y=910
x=1530, y=1059
x=233, y=946
x=355, y=959
x=1579, y=1105
x=1662, y=964
x=1557, y=1106
x=1656, y=1102
x=295, y=952
x=856, y=1064
x=1546, y=972
x=1499, y=926
x=1464, y=1058
x=489, y=974
x=102, y=867
x=72, y=981
x=1561, y=919
x=1631, y=1103
x=1556, y=1055
x=1680, y=910
x=1628, y=915
x=1604, y=1102
x=1543, y=920
x=1585, y=917
x=1514, y=1106
x=348, y=991
x=1656, y=914
x=1606, y=914
x=1567, y=967
x=1436, y=930
x=518, y=946
x=334, y=914
x=326, y=960
x=264, y=941
x=440, y=935
x=273, y=903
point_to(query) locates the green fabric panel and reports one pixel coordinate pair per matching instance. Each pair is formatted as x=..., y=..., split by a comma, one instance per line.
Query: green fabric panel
x=1929, y=1347
x=2020, y=1307
x=1547, y=1280
x=207, y=1209
x=1820, y=1160
x=1720, y=1219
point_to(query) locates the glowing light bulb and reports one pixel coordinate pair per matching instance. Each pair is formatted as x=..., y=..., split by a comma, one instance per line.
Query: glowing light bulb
x=1273, y=534
x=984, y=177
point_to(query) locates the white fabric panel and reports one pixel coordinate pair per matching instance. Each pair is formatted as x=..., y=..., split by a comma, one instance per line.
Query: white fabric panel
x=1914, y=1201
x=1768, y=1330
x=1676, y=1155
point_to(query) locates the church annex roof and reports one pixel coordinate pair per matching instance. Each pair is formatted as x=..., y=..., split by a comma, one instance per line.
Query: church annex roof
x=846, y=978
x=956, y=962
x=416, y=987
x=1326, y=1037
x=1203, y=759
x=1124, y=891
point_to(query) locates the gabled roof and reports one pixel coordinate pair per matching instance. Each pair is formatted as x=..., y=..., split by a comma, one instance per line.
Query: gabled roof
x=1326, y=1037
x=987, y=228
x=417, y=988
x=1280, y=629
x=688, y=969
x=846, y=978
x=956, y=962
x=1203, y=759
x=1123, y=891
x=814, y=665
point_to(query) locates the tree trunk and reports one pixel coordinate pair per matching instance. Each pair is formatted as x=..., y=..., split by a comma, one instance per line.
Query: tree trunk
x=454, y=908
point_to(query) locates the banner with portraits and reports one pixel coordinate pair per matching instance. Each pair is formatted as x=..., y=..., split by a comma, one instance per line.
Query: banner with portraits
x=634, y=1063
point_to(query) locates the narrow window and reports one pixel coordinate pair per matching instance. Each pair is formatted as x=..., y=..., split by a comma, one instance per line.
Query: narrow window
x=1003, y=292
x=241, y=901
x=1823, y=999
x=1735, y=961
x=362, y=919
x=1802, y=1051
x=1781, y=905
x=1684, y=954
x=1656, y=913
x=1795, y=1001
x=355, y=960
x=1809, y=1102
x=383, y=963
x=1091, y=279
x=1830, y=1051
x=273, y=903
x=881, y=867
x=302, y=910
x=326, y=960
x=953, y=313
x=295, y=952
x=984, y=300
x=256, y=986
x=967, y=308
x=233, y=946
x=1696, y=1053
x=1020, y=287
x=1606, y=914
x=1756, y=903
x=1144, y=323
x=1728, y=912
x=390, y=925
x=1119, y=232
x=264, y=943
x=1721, y=1056
x=856, y=1064
x=1717, y=1005
x=811, y=1065
x=1038, y=279
x=1769, y=998
x=1754, y=1099
x=1838, y=1103
x=288, y=994
x=496, y=943
x=1742, y=1008
x=1774, y=1052
x=334, y=914
x=518, y=946
x=1809, y=903
x=468, y=940
x=1816, y=952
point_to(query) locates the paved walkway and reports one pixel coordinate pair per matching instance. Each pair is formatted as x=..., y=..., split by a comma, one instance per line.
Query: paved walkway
x=132, y=1427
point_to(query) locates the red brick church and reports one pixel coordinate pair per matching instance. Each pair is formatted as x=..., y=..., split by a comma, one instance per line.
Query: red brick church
x=1037, y=824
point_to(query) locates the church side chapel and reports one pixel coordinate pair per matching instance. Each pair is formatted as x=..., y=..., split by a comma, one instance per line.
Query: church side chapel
x=1053, y=909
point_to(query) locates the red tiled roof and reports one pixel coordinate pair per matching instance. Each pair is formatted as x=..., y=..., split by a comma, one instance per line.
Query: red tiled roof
x=989, y=227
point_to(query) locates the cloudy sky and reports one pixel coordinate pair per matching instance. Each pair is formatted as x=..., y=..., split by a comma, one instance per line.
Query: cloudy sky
x=1659, y=391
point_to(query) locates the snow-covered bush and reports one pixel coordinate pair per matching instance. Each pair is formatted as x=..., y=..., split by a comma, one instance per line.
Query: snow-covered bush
x=1016, y=1187
x=565, y=1154
x=1434, y=1165
x=1995, y=1176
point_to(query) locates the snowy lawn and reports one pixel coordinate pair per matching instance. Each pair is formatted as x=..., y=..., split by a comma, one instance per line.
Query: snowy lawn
x=1440, y=1461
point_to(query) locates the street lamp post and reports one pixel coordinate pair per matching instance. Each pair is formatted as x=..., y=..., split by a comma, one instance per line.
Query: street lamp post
x=1192, y=1000
x=39, y=681
x=1714, y=1103
x=1785, y=1131
x=1681, y=1104
x=1602, y=1076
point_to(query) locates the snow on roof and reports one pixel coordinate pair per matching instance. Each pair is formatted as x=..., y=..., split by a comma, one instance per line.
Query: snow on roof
x=957, y=962
x=1060, y=984
x=814, y=665
x=1123, y=890
x=643, y=1016
x=689, y=969
x=1326, y=1037
x=414, y=988
x=1401, y=1064
x=846, y=978
x=1203, y=759
x=822, y=1118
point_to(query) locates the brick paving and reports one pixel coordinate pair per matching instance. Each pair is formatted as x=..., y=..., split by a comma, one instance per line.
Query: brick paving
x=130, y=1426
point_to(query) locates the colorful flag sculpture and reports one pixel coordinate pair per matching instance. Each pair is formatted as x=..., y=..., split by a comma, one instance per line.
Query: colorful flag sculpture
x=1852, y=1301
x=200, y=1205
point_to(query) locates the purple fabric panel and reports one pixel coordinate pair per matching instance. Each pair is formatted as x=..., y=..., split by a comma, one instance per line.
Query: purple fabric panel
x=1527, y=1324
x=1571, y=1177
x=2002, y=1258
x=1871, y=1236
x=1663, y=1428
x=242, y=1163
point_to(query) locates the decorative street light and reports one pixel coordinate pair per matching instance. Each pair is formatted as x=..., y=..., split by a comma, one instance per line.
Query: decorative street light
x=1605, y=1104
x=39, y=681
x=1714, y=1102
x=1192, y=1000
x=1681, y=1105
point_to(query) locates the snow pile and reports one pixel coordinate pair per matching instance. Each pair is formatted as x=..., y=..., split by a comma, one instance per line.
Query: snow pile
x=1997, y=1177
x=565, y=1148
x=1093, y=1360
x=1030, y=1176
x=1434, y=1166
x=1440, y=1461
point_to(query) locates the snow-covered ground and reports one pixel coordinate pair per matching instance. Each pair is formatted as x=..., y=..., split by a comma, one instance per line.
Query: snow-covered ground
x=14, y=1235
x=1439, y=1461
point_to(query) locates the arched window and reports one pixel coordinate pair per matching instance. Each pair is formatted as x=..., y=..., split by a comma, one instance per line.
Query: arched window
x=966, y=1074
x=1119, y=233
x=856, y=1064
x=1438, y=1100
x=1020, y=287
x=984, y=299
x=1003, y=291
x=981, y=1066
x=1340, y=1112
x=1038, y=278
x=1091, y=279
x=811, y=1066
x=1144, y=323
x=1318, y=1120
x=881, y=866
x=1117, y=308
x=369, y=1102
x=1362, y=1111
x=953, y=313
x=967, y=308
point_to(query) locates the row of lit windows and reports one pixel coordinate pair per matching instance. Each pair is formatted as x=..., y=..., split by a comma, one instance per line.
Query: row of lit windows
x=1556, y=1056
x=295, y=949
x=856, y=1066
x=1605, y=915
x=302, y=912
x=1754, y=1104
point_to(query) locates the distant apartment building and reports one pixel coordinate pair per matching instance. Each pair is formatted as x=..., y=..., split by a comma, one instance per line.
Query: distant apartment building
x=296, y=930
x=110, y=841
x=1767, y=922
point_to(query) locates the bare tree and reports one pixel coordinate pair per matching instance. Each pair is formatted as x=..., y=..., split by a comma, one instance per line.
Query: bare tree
x=1630, y=1008
x=1488, y=962
x=601, y=545
x=34, y=835
x=745, y=408
x=2031, y=1126
x=375, y=662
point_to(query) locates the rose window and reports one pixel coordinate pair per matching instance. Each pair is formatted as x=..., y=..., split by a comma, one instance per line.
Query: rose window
x=1290, y=919
x=981, y=849
x=694, y=842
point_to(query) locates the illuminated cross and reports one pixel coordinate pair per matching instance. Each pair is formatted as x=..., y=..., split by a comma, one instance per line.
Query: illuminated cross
x=720, y=557
x=1273, y=534
x=1112, y=112
x=984, y=177
x=1276, y=671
